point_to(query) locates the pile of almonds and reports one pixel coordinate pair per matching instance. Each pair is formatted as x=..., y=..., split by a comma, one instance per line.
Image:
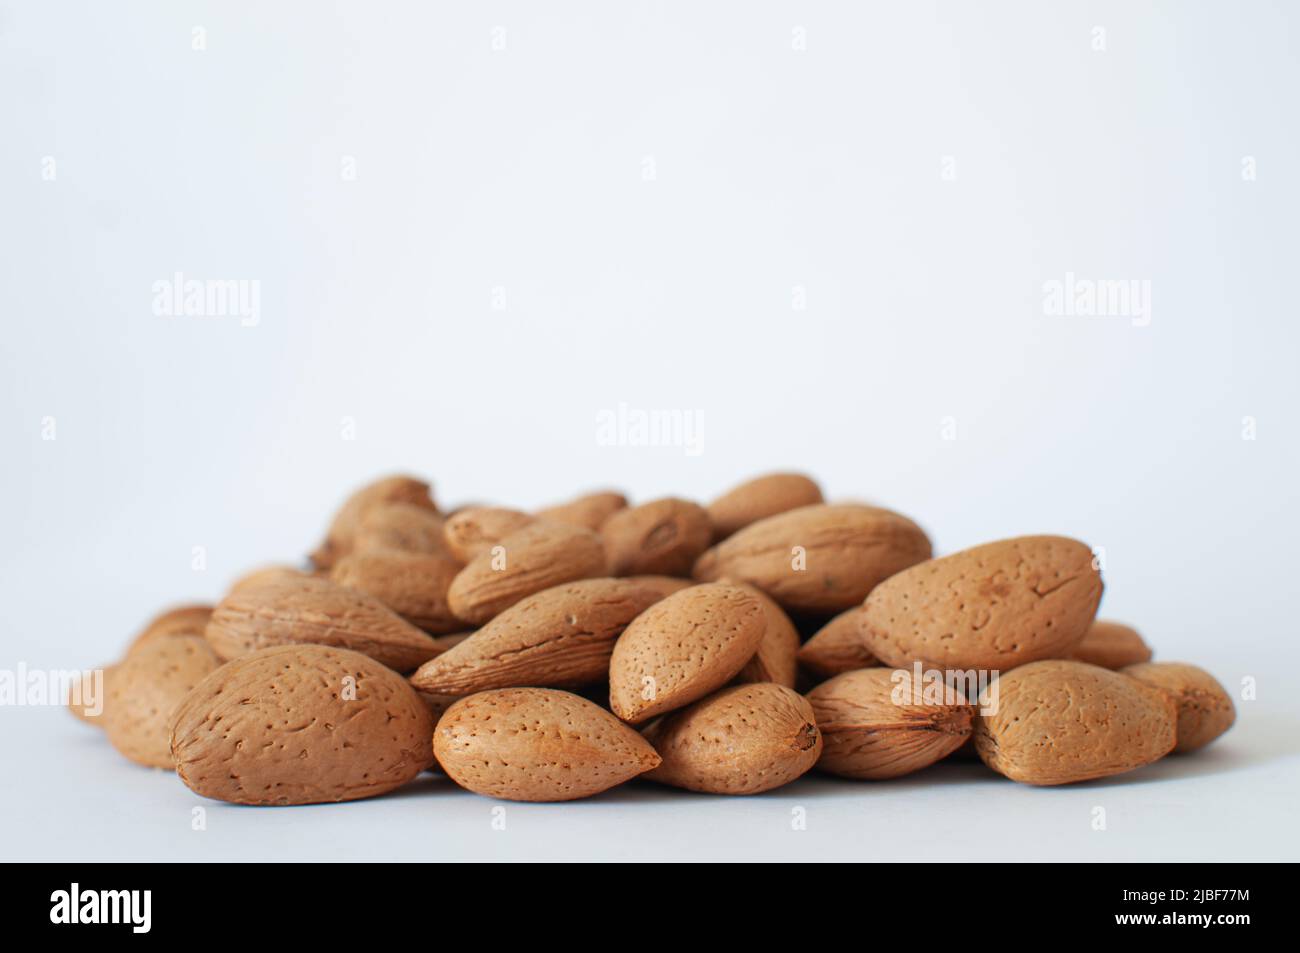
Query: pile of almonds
x=728, y=649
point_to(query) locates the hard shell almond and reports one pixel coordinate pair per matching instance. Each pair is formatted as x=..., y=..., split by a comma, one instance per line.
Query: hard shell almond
x=528, y=560
x=409, y=527
x=474, y=531
x=662, y=537
x=879, y=724
x=992, y=607
x=589, y=511
x=414, y=585
x=776, y=658
x=1205, y=708
x=740, y=740
x=537, y=744
x=682, y=648
x=1111, y=645
x=1059, y=721
x=301, y=724
x=821, y=558
x=559, y=637
x=264, y=574
x=145, y=690
x=343, y=530
x=838, y=646
x=311, y=610
x=181, y=620
x=664, y=585
x=759, y=498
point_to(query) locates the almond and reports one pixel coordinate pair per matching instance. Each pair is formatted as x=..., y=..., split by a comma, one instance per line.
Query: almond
x=992, y=607
x=313, y=610
x=661, y=537
x=343, y=530
x=182, y=620
x=776, y=658
x=474, y=531
x=821, y=558
x=1111, y=645
x=528, y=560
x=265, y=574
x=88, y=700
x=589, y=512
x=759, y=498
x=560, y=637
x=664, y=585
x=414, y=585
x=1059, y=721
x=537, y=744
x=741, y=740
x=878, y=724
x=1205, y=709
x=301, y=724
x=838, y=646
x=144, y=693
x=682, y=648
x=409, y=527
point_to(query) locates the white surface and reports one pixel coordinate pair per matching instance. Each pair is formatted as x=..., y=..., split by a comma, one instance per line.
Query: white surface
x=775, y=169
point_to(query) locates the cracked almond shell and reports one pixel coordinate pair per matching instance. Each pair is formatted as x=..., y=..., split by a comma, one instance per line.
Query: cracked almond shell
x=537, y=744
x=1205, y=709
x=301, y=724
x=559, y=637
x=741, y=740
x=1059, y=721
x=992, y=607
x=820, y=559
x=874, y=727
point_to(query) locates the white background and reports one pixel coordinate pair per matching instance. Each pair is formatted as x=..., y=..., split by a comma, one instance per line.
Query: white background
x=651, y=191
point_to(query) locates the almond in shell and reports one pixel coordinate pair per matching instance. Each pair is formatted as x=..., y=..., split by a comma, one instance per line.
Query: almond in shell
x=475, y=530
x=343, y=529
x=414, y=585
x=1205, y=709
x=589, y=511
x=777, y=657
x=408, y=527
x=661, y=537
x=1111, y=645
x=838, y=646
x=759, y=498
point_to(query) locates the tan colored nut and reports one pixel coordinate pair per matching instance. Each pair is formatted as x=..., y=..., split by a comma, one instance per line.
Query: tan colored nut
x=661, y=537
x=741, y=740
x=991, y=607
x=182, y=620
x=343, y=530
x=838, y=646
x=821, y=558
x=301, y=724
x=88, y=698
x=472, y=532
x=879, y=724
x=559, y=637
x=1059, y=721
x=311, y=610
x=589, y=512
x=776, y=658
x=1205, y=709
x=529, y=560
x=408, y=527
x=1111, y=645
x=145, y=690
x=414, y=585
x=664, y=585
x=682, y=648
x=759, y=498
x=537, y=744
x=265, y=574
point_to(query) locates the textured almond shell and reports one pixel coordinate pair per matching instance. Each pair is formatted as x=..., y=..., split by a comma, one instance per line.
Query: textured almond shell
x=760, y=498
x=408, y=527
x=662, y=537
x=687, y=645
x=838, y=646
x=560, y=637
x=145, y=690
x=847, y=550
x=1059, y=721
x=310, y=610
x=776, y=658
x=869, y=737
x=343, y=529
x=664, y=585
x=537, y=744
x=537, y=557
x=475, y=530
x=1205, y=709
x=992, y=607
x=589, y=511
x=301, y=724
x=414, y=585
x=1111, y=645
x=741, y=740
x=181, y=620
